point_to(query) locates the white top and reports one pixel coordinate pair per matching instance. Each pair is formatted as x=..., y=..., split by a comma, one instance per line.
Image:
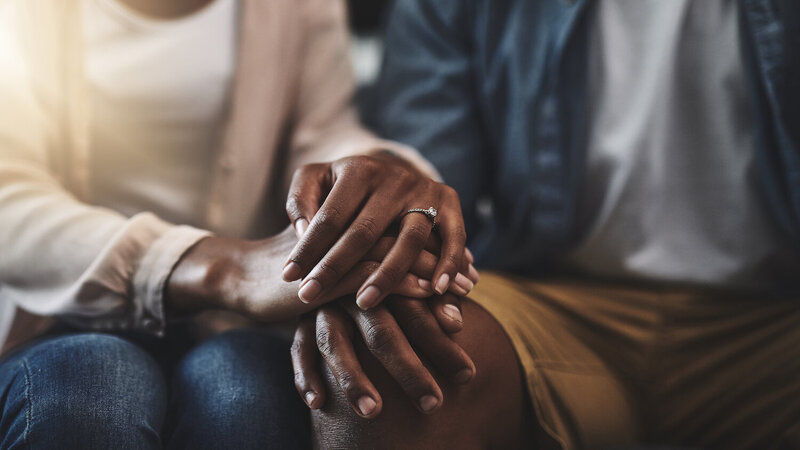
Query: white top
x=669, y=193
x=160, y=91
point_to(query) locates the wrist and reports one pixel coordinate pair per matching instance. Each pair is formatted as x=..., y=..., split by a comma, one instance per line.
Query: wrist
x=198, y=280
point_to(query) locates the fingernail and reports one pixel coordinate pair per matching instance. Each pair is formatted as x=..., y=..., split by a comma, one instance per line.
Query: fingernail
x=366, y=405
x=469, y=255
x=368, y=298
x=464, y=282
x=425, y=284
x=310, y=397
x=292, y=271
x=452, y=312
x=463, y=376
x=310, y=291
x=428, y=403
x=442, y=284
x=300, y=226
x=473, y=274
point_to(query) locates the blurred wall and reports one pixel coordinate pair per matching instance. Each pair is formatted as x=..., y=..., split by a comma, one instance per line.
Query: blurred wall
x=366, y=16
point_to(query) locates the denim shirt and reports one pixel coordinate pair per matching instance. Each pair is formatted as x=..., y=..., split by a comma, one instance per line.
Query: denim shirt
x=493, y=92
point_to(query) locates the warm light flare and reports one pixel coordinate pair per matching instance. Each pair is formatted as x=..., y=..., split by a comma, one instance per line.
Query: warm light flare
x=11, y=61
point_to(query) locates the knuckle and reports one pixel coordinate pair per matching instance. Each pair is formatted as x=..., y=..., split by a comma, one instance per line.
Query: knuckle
x=417, y=233
x=293, y=203
x=305, y=171
x=348, y=383
x=359, y=165
x=330, y=219
x=417, y=323
x=297, y=347
x=328, y=270
x=365, y=231
x=327, y=341
x=460, y=235
x=299, y=377
x=380, y=340
x=411, y=380
x=390, y=274
x=450, y=193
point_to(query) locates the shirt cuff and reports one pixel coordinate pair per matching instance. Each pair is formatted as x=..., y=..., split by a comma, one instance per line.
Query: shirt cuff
x=153, y=272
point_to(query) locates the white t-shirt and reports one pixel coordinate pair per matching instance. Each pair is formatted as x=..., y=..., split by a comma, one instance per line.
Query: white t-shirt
x=669, y=193
x=160, y=93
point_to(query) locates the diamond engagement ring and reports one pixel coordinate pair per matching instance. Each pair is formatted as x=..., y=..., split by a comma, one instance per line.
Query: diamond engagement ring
x=430, y=213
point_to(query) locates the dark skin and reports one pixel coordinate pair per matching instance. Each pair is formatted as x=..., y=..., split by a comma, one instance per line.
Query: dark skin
x=245, y=276
x=491, y=411
x=342, y=213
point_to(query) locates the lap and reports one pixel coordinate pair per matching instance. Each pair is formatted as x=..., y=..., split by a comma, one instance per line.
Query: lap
x=235, y=387
x=602, y=366
x=616, y=365
x=81, y=391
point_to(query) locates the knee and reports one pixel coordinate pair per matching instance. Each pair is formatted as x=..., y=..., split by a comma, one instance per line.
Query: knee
x=90, y=385
x=487, y=413
x=234, y=372
x=240, y=380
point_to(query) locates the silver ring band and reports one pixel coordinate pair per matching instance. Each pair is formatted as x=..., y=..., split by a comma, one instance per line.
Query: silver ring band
x=430, y=213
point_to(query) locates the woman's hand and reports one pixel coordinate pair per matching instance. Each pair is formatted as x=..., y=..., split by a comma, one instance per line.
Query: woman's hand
x=360, y=197
x=393, y=332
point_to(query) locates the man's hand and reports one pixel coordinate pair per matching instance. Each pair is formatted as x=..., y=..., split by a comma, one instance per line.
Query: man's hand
x=389, y=332
x=360, y=198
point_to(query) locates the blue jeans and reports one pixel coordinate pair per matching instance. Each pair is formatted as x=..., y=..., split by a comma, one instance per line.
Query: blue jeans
x=99, y=391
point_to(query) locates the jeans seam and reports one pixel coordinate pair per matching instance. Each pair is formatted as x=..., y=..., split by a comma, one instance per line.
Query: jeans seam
x=28, y=405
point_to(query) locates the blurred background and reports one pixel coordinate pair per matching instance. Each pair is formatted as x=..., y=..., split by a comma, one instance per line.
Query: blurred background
x=367, y=20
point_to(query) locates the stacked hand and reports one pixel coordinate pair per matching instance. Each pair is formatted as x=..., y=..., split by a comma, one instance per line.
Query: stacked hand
x=355, y=236
x=341, y=209
x=362, y=198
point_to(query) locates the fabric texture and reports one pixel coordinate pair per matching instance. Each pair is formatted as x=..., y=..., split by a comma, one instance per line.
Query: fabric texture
x=610, y=366
x=667, y=193
x=494, y=93
x=159, y=105
x=100, y=391
x=100, y=269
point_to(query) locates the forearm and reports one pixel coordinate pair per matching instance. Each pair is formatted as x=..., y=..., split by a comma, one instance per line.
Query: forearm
x=236, y=275
x=92, y=266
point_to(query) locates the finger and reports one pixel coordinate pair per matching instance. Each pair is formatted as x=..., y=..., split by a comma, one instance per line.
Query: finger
x=387, y=342
x=433, y=244
x=469, y=256
x=331, y=219
x=447, y=311
x=335, y=343
x=359, y=237
x=306, y=192
x=454, y=237
x=424, y=266
x=423, y=330
x=414, y=232
x=410, y=286
x=305, y=361
x=472, y=274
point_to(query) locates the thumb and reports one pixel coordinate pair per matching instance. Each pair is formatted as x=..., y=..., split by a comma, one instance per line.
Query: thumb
x=310, y=184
